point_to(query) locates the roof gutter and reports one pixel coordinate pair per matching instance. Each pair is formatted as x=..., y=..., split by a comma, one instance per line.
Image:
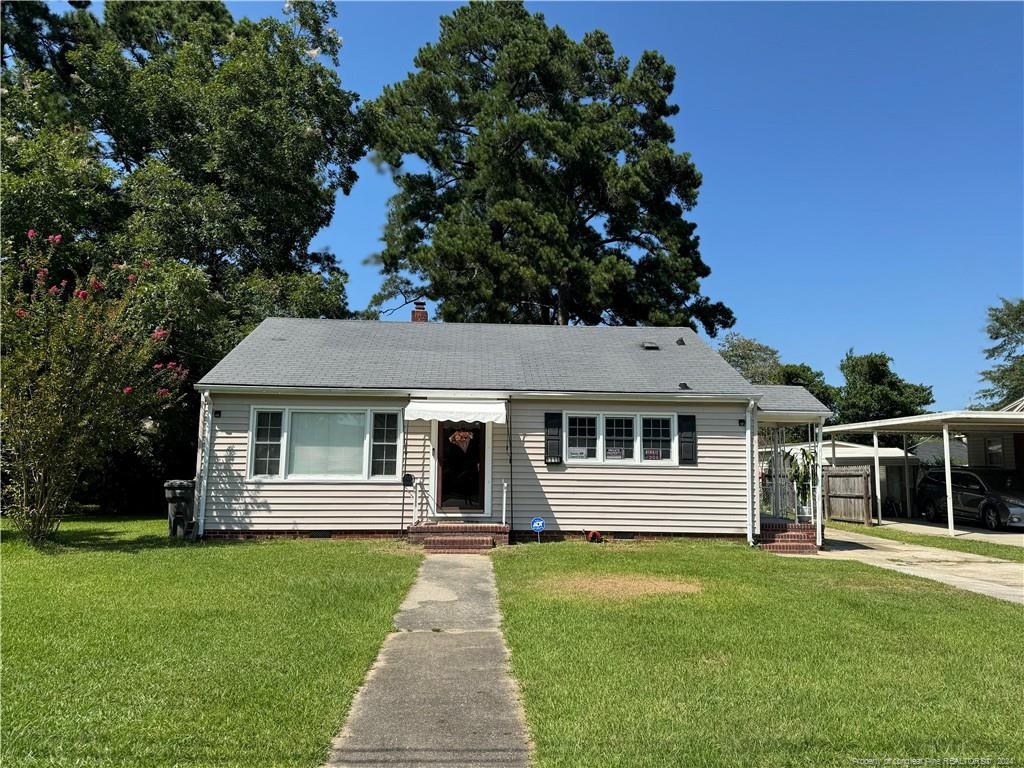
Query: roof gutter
x=478, y=394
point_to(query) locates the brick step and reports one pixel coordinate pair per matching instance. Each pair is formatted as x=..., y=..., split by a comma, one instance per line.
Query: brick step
x=787, y=527
x=789, y=548
x=495, y=533
x=464, y=543
x=784, y=537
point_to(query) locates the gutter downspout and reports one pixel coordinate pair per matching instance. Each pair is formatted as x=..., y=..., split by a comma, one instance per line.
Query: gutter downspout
x=819, y=532
x=749, y=449
x=511, y=492
x=204, y=473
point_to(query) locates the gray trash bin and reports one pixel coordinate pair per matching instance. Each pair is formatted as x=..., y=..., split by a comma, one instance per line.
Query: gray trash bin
x=180, y=495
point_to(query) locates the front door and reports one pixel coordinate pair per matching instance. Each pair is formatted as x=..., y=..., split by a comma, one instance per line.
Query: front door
x=460, y=459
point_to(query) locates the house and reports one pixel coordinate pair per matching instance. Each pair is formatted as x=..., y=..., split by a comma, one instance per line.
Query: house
x=354, y=427
x=930, y=450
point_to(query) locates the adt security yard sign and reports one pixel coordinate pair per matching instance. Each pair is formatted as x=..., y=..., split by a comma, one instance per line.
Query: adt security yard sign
x=537, y=524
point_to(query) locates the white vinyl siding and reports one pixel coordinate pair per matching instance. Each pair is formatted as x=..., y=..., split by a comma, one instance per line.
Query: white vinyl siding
x=652, y=497
x=607, y=495
x=236, y=501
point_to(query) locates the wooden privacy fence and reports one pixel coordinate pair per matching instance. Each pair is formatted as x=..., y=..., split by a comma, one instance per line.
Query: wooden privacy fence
x=846, y=492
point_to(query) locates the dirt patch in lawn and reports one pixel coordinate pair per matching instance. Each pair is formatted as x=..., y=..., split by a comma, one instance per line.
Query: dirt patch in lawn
x=617, y=587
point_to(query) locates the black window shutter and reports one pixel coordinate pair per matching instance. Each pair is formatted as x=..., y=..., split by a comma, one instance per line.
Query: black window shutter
x=553, y=438
x=687, y=439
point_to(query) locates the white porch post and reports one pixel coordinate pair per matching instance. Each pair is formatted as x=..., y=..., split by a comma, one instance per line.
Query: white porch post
x=749, y=446
x=949, y=479
x=833, y=450
x=819, y=535
x=906, y=475
x=878, y=478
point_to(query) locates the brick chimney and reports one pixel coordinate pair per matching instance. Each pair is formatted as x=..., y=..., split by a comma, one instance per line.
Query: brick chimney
x=419, y=312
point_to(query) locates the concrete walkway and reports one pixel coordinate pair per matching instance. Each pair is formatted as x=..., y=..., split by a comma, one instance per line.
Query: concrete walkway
x=984, y=575
x=439, y=693
x=1015, y=537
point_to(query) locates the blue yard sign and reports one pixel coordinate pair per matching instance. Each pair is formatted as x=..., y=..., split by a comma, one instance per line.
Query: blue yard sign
x=537, y=524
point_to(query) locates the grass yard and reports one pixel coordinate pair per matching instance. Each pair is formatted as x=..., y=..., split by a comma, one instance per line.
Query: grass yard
x=941, y=541
x=754, y=660
x=122, y=648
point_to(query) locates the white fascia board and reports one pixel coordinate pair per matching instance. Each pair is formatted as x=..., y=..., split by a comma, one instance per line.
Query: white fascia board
x=469, y=394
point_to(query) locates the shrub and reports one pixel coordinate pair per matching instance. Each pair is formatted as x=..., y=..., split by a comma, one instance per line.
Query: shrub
x=82, y=376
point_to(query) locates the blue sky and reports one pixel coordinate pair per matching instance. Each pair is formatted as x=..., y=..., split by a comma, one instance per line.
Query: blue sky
x=863, y=166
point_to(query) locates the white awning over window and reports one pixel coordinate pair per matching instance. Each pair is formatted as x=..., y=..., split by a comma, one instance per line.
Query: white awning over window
x=456, y=410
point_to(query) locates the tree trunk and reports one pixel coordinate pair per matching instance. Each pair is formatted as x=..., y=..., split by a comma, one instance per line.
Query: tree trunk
x=563, y=305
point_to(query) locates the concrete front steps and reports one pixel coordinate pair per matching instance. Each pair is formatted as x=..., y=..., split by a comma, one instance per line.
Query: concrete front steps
x=787, y=538
x=458, y=537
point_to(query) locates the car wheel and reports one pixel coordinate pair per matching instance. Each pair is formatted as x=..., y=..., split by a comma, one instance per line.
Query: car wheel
x=991, y=518
x=931, y=512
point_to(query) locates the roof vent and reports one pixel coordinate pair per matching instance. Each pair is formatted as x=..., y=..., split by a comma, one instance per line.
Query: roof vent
x=683, y=385
x=649, y=345
x=681, y=341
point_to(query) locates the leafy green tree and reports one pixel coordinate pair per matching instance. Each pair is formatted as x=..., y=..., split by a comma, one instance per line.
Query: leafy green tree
x=545, y=187
x=1006, y=378
x=168, y=134
x=757, y=362
x=83, y=370
x=872, y=390
x=802, y=375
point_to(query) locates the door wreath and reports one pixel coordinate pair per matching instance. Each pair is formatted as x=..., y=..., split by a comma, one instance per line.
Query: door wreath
x=461, y=438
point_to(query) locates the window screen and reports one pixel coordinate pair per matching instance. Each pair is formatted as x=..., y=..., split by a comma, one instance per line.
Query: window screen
x=384, y=445
x=266, y=460
x=581, y=437
x=657, y=438
x=618, y=437
x=326, y=443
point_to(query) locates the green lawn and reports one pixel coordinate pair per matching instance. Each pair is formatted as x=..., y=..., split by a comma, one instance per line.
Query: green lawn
x=775, y=662
x=121, y=648
x=941, y=541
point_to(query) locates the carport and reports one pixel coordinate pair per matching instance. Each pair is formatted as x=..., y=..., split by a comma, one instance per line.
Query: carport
x=945, y=422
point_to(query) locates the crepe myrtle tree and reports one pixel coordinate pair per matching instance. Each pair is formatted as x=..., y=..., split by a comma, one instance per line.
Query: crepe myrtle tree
x=82, y=376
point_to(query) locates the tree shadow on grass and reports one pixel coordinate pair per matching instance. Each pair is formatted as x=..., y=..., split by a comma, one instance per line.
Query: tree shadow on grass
x=104, y=535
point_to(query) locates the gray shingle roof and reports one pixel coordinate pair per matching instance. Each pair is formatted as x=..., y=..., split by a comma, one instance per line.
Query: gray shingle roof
x=783, y=397
x=358, y=354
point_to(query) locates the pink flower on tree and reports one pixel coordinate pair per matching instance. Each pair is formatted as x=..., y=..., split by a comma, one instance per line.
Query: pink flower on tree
x=31, y=234
x=96, y=284
x=63, y=283
x=41, y=276
x=158, y=366
x=172, y=365
x=132, y=279
x=83, y=295
x=55, y=239
x=128, y=390
x=21, y=313
x=160, y=334
x=54, y=290
x=146, y=263
x=163, y=392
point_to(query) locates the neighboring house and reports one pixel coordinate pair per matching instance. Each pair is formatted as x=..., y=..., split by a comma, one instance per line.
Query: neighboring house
x=1002, y=448
x=929, y=451
x=311, y=425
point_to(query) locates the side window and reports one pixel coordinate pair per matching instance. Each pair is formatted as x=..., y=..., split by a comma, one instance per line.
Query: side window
x=581, y=437
x=687, y=439
x=384, y=445
x=994, y=451
x=266, y=460
x=656, y=434
x=618, y=438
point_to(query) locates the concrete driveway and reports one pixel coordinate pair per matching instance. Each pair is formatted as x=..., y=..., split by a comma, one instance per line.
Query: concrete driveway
x=1015, y=538
x=985, y=575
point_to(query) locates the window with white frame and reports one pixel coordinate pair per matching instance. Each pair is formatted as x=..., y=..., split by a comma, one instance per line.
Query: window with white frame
x=619, y=438
x=314, y=443
x=656, y=438
x=384, y=445
x=581, y=438
x=622, y=438
x=266, y=461
x=326, y=443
